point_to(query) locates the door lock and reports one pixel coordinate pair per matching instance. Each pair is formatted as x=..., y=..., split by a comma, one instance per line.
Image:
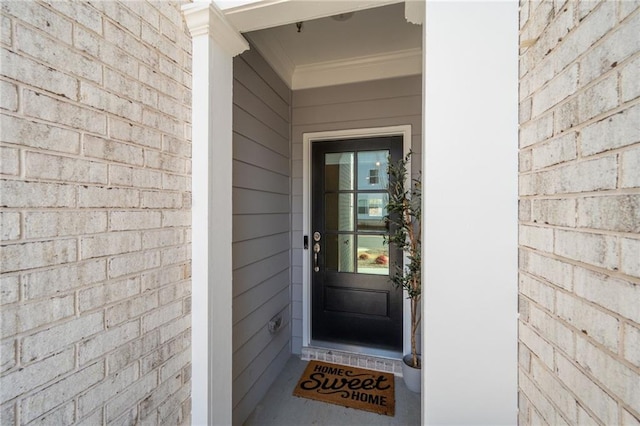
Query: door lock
x=316, y=250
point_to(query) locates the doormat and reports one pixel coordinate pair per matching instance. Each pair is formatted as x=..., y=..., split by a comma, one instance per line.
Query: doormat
x=348, y=386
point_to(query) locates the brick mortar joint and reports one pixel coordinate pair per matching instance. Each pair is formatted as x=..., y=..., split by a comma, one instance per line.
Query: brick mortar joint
x=578, y=160
x=141, y=19
x=22, y=273
x=577, y=195
x=576, y=263
x=620, y=107
x=619, y=400
x=83, y=81
x=578, y=60
x=567, y=164
x=581, y=230
x=577, y=332
x=80, y=80
x=579, y=157
x=540, y=389
x=97, y=160
x=577, y=22
x=54, y=124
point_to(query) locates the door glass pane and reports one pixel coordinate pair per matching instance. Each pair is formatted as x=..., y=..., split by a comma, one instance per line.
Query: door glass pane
x=339, y=253
x=338, y=173
x=372, y=170
x=338, y=212
x=373, y=255
x=372, y=208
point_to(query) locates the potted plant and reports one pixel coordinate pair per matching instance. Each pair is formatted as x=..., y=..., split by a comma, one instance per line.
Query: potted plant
x=404, y=211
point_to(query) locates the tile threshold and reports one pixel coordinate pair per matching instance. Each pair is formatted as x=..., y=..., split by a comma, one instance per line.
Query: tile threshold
x=376, y=363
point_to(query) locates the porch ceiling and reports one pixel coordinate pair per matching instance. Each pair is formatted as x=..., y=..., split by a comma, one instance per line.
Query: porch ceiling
x=375, y=42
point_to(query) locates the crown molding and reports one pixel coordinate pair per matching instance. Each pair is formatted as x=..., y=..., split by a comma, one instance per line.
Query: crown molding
x=205, y=18
x=364, y=68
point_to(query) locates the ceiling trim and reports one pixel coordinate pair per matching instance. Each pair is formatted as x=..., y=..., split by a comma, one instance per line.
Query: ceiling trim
x=275, y=55
x=204, y=18
x=414, y=11
x=263, y=14
x=272, y=13
x=364, y=68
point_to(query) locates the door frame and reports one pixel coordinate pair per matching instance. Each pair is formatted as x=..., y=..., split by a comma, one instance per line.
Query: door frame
x=307, y=140
x=456, y=389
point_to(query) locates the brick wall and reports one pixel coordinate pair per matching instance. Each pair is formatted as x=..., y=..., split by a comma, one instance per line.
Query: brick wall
x=95, y=221
x=579, y=330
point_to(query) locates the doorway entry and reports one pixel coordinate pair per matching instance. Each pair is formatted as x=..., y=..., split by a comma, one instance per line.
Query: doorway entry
x=353, y=301
x=350, y=301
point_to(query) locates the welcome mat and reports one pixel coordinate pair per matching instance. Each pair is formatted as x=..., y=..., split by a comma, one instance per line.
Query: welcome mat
x=348, y=386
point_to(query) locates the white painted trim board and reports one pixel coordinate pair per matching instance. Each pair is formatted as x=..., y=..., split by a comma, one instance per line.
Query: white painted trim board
x=307, y=140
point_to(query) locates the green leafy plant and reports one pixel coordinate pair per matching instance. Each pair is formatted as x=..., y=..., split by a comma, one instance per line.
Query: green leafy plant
x=404, y=214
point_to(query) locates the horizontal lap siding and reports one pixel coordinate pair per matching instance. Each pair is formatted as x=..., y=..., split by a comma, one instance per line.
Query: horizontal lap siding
x=248, y=227
x=358, y=110
x=261, y=229
x=380, y=103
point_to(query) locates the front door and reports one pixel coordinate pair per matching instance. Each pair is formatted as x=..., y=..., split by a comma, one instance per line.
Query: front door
x=353, y=299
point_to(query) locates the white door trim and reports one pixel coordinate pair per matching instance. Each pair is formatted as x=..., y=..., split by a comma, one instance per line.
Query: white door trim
x=307, y=140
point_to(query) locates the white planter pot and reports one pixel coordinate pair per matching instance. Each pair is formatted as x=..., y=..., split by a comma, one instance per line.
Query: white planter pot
x=412, y=376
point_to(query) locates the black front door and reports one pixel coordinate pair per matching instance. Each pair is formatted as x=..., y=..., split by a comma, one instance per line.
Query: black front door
x=353, y=300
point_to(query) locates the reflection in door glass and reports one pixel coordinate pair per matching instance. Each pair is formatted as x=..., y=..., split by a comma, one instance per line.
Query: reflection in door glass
x=338, y=212
x=339, y=253
x=372, y=170
x=372, y=208
x=373, y=255
x=338, y=173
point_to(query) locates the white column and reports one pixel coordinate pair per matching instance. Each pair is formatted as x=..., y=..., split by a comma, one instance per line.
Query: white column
x=470, y=213
x=215, y=43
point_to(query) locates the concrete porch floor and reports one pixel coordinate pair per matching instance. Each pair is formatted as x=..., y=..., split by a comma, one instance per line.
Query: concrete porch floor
x=280, y=407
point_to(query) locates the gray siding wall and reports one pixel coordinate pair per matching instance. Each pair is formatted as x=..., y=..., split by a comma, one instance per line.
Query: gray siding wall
x=390, y=102
x=261, y=229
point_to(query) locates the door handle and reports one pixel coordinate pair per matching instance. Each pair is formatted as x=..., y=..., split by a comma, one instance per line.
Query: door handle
x=316, y=250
